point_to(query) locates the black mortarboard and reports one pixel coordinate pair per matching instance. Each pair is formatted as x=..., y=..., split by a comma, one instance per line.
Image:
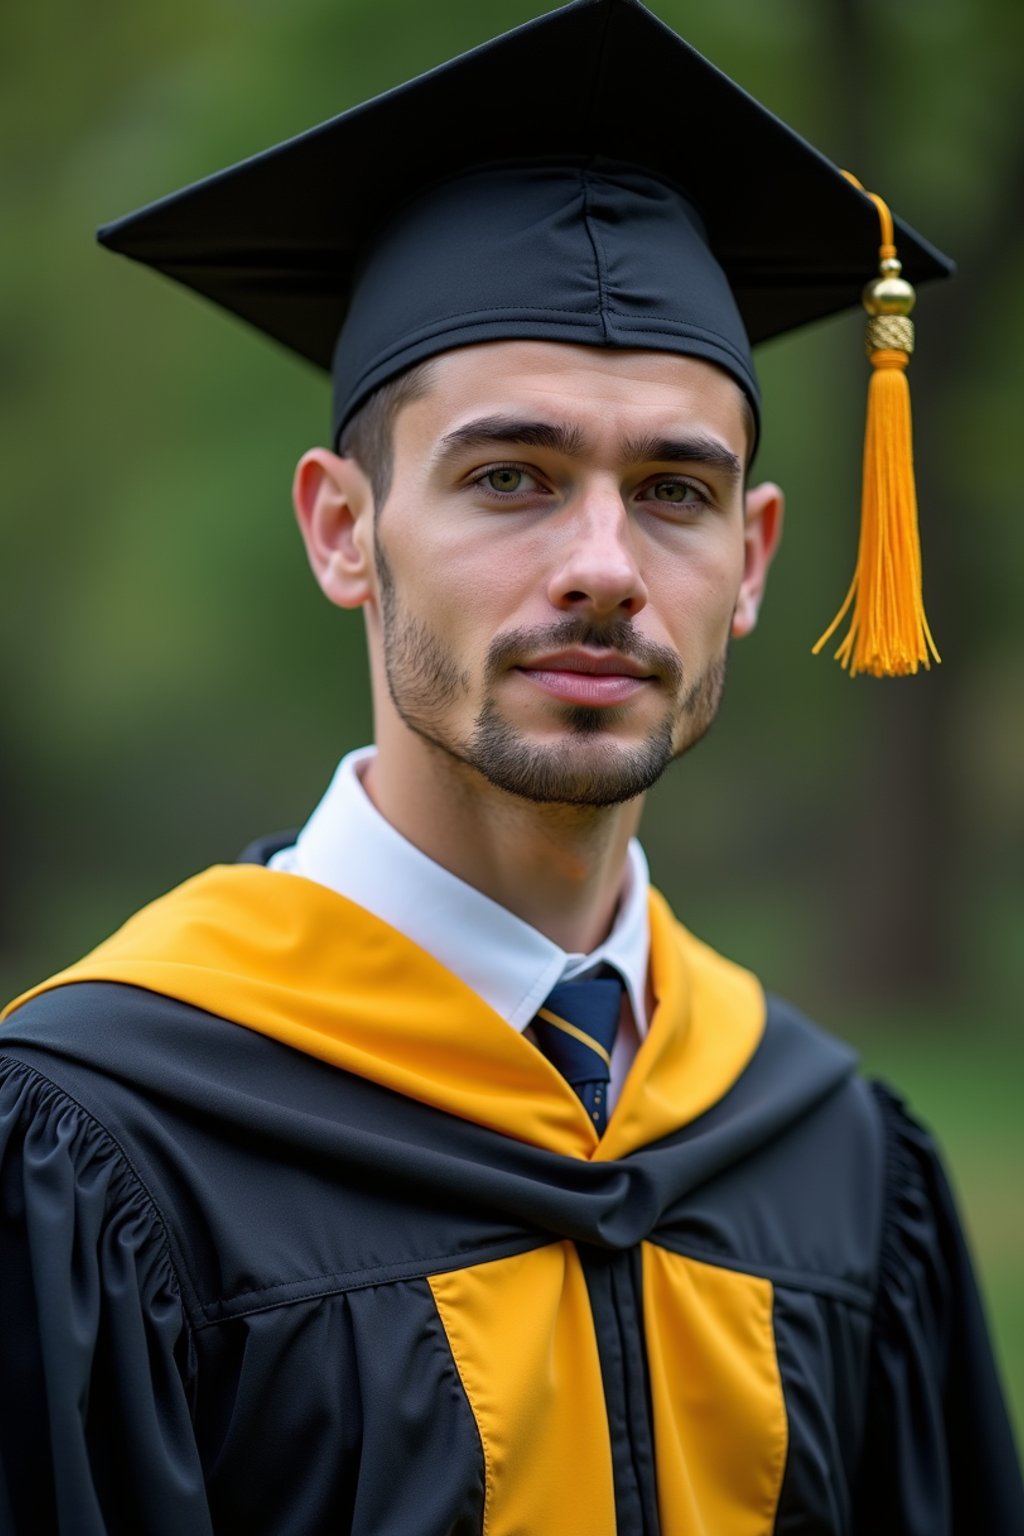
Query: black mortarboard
x=530, y=189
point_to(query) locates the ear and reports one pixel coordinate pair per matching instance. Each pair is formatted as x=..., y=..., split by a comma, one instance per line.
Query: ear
x=761, y=533
x=334, y=507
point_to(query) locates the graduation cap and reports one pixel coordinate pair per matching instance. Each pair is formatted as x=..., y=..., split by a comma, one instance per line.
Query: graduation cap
x=586, y=178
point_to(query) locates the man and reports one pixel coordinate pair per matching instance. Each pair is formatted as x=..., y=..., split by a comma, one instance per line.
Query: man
x=421, y=1174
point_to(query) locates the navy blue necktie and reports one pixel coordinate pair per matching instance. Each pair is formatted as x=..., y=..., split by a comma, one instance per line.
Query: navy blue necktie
x=575, y=1029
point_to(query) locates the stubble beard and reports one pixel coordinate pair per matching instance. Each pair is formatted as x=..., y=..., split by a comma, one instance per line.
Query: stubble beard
x=585, y=768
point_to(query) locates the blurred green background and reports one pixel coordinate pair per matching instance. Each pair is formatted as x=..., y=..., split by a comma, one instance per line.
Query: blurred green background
x=173, y=684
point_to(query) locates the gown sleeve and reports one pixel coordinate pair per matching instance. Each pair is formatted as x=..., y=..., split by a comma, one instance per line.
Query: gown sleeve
x=939, y=1457
x=95, y=1430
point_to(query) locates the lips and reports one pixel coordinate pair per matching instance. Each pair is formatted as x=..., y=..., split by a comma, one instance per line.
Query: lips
x=588, y=663
x=588, y=678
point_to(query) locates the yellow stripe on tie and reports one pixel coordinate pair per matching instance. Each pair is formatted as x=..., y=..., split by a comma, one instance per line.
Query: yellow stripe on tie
x=577, y=1034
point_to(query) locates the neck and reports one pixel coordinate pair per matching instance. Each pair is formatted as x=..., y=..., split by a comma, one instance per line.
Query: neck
x=558, y=868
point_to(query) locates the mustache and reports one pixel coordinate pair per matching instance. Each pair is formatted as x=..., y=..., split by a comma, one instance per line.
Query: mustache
x=617, y=635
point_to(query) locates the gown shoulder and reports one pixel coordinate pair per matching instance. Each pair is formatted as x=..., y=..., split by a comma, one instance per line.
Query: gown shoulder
x=939, y=1457
x=95, y=1350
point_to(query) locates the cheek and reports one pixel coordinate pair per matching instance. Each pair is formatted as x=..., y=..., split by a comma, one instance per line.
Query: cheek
x=445, y=580
x=465, y=575
x=694, y=589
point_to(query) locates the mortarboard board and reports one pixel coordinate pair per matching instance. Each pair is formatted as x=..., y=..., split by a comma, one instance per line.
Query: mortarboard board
x=529, y=189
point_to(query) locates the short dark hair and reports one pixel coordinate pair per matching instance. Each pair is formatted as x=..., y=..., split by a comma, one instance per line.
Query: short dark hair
x=368, y=436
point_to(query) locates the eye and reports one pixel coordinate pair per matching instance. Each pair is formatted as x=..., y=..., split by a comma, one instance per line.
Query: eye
x=676, y=492
x=673, y=492
x=507, y=480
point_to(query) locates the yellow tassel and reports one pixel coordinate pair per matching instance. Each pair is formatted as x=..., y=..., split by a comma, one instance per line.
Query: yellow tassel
x=888, y=634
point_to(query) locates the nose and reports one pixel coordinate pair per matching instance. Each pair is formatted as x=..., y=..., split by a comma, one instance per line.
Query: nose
x=598, y=571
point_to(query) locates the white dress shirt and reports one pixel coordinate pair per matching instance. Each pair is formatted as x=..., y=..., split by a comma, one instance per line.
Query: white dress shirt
x=348, y=846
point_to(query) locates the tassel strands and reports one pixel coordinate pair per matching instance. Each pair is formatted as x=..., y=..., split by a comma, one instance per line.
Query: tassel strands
x=888, y=634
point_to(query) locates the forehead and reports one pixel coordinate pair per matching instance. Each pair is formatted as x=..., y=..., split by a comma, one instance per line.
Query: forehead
x=611, y=394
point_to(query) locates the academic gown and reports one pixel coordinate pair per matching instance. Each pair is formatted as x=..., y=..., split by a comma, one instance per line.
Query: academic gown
x=298, y=1237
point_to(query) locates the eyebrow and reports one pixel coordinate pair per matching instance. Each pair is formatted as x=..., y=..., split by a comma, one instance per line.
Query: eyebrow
x=570, y=439
x=486, y=431
x=698, y=448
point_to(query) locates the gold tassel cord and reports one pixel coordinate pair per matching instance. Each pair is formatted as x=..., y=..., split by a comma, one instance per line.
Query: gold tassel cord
x=888, y=635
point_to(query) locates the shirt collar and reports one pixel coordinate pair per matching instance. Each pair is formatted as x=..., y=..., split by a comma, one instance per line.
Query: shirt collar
x=348, y=846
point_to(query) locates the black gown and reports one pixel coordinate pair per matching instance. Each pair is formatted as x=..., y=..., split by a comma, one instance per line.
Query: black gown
x=283, y=1252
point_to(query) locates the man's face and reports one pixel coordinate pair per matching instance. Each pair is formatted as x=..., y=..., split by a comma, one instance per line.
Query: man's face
x=558, y=564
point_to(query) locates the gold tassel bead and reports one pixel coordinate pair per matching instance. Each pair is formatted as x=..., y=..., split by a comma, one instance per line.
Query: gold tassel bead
x=888, y=333
x=889, y=293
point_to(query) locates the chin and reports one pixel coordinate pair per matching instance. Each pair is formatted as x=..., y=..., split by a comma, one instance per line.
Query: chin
x=586, y=766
